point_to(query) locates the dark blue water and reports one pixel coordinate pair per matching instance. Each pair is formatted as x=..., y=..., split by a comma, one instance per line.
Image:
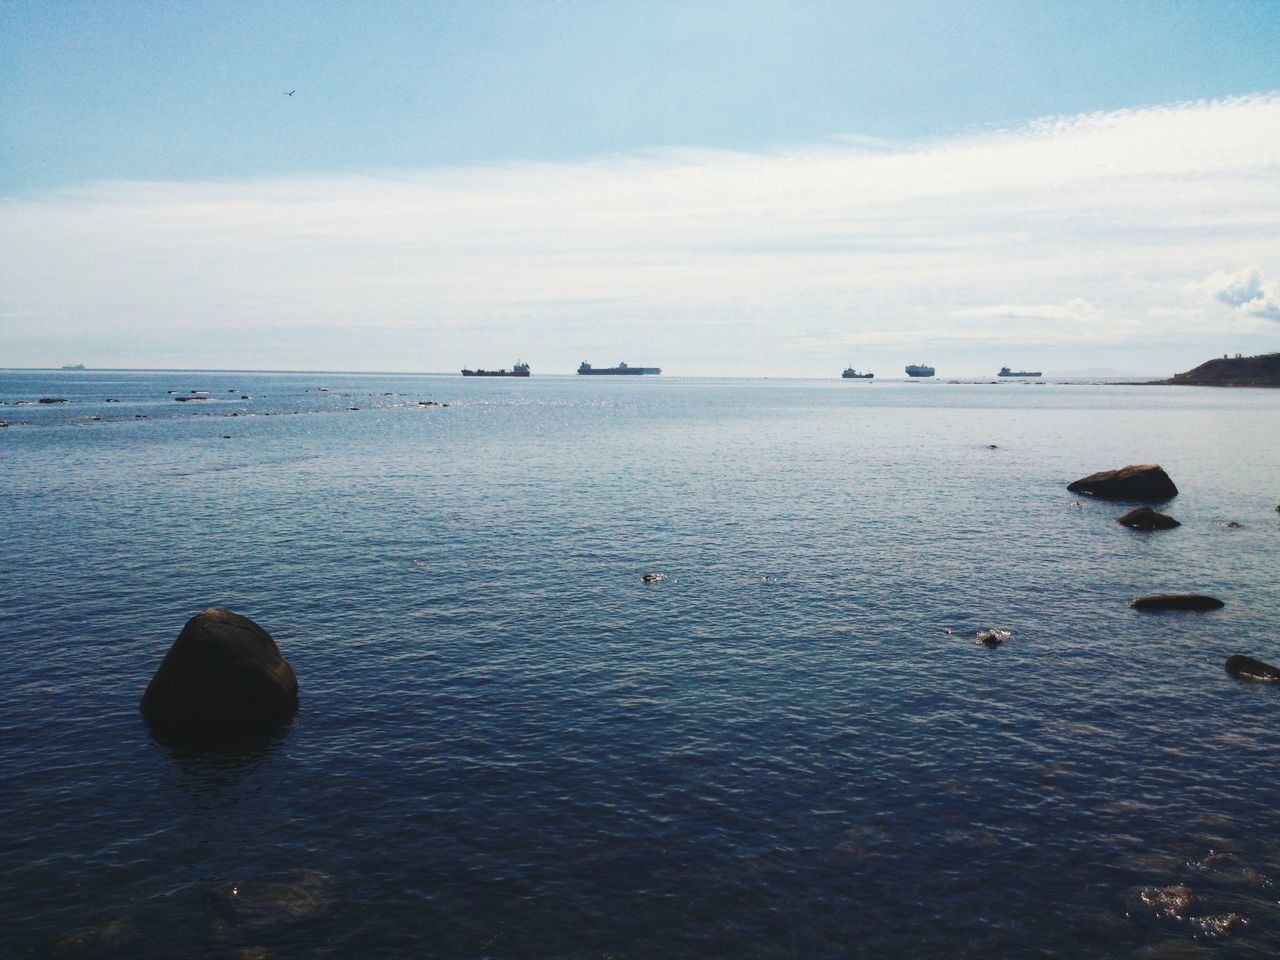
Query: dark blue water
x=509, y=746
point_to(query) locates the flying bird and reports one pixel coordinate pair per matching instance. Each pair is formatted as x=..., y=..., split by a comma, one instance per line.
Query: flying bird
x=291, y=93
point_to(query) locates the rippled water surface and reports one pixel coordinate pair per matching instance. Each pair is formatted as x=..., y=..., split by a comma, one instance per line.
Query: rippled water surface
x=509, y=746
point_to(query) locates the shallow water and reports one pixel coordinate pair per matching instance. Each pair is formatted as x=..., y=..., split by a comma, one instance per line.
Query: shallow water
x=510, y=746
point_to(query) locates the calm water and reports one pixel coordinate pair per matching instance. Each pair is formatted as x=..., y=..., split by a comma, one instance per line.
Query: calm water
x=509, y=746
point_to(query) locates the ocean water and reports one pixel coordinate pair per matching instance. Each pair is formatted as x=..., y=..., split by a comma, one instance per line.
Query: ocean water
x=509, y=746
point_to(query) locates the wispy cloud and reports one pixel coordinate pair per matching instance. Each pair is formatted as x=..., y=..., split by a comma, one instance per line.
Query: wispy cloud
x=1069, y=231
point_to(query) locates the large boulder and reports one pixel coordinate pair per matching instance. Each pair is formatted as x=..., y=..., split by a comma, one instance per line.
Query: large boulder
x=1177, y=601
x=1251, y=669
x=222, y=679
x=1145, y=481
x=1144, y=518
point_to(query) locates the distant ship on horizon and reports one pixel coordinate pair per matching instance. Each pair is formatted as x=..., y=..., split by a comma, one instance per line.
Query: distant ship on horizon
x=852, y=374
x=1006, y=372
x=521, y=369
x=621, y=370
x=919, y=370
x=74, y=366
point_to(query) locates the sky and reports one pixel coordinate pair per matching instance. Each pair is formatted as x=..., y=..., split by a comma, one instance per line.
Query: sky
x=728, y=188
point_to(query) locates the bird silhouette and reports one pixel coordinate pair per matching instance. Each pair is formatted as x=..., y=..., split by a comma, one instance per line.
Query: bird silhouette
x=291, y=93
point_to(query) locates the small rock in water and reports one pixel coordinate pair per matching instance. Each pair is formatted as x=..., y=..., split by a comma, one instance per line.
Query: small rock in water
x=1146, y=481
x=768, y=578
x=1144, y=518
x=1250, y=669
x=52, y=400
x=1177, y=601
x=3, y=424
x=223, y=678
x=654, y=577
x=993, y=638
x=1231, y=525
x=1167, y=901
x=226, y=436
x=992, y=446
x=353, y=408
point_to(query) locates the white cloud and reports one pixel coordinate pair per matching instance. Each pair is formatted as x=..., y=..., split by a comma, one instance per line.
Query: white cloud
x=1240, y=288
x=1070, y=231
x=1244, y=292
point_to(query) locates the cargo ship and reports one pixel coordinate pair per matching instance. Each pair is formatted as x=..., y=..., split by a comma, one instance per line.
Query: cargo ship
x=621, y=370
x=1006, y=372
x=519, y=370
x=852, y=374
x=919, y=370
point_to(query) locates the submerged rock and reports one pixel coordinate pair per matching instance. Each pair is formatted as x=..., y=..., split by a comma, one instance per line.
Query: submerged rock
x=993, y=638
x=1167, y=901
x=263, y=905
x=1250, y=669
x=1219, y=923
x=223, y=678
x=1177, y=601
x=1144, y=518
x=1232, y=525
x=654, y=577
x=1146, y=481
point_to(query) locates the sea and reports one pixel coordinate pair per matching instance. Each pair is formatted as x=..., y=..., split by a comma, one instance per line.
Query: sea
x=509, y=745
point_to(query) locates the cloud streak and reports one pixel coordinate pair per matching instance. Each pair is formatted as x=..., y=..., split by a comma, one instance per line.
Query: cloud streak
x=1069, y=231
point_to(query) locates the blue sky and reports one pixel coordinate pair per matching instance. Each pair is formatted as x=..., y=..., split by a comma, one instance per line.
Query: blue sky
x=139, y=141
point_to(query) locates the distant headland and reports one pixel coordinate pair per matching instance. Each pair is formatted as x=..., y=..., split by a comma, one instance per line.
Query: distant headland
x=1237, y=371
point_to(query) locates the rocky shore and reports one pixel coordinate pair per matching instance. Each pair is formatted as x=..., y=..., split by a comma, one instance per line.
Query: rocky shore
x=1259, y=371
